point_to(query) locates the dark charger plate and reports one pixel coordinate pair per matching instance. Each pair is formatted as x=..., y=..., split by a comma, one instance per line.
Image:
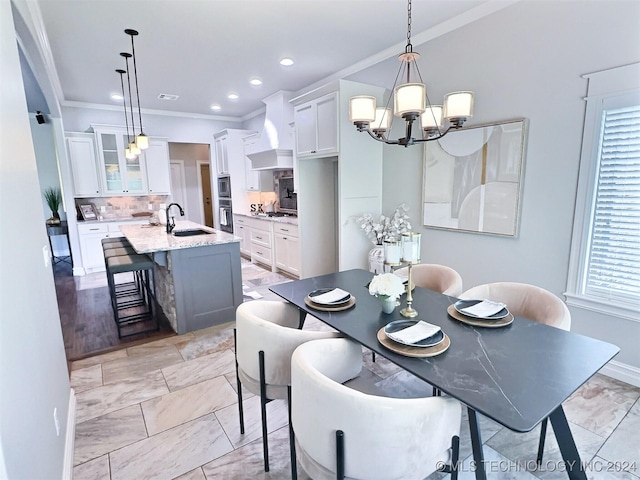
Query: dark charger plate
x=461, y=304
x=398, y=325
x=337, y=303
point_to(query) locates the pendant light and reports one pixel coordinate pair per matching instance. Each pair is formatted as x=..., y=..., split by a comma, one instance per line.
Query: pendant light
x=142, y=141
x=127, y=150
x=411, y=103
x=133, y=150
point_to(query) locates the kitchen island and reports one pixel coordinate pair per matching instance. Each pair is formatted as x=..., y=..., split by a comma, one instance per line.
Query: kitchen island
x=198, y=278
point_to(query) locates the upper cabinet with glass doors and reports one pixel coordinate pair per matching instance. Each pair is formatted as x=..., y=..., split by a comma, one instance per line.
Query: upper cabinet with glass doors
x=119, y=174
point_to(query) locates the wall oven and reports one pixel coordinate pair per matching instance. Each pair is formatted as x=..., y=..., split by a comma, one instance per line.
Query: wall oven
x=226, y=215
x=224, y=187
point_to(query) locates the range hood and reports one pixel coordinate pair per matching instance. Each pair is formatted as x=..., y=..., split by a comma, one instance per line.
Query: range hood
x=274, y=147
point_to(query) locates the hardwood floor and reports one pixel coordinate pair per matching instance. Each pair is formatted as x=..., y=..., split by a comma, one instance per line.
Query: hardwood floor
x=88, y=327
x=86, y=317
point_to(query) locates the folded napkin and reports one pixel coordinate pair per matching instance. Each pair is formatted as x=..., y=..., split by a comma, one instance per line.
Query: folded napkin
x=484, y=309
x=331, y=296
x=415, y=333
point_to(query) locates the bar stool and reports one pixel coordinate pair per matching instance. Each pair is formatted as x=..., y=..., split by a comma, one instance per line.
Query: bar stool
x=139, y=265
x=133, y=287
x=120, y=241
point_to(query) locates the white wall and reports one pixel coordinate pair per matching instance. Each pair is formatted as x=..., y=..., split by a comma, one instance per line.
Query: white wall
x=33, y=370
x=526, y=61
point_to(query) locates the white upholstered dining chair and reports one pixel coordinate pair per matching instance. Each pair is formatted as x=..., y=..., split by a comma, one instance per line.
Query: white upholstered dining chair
x=439, y=278
x=531, y=302
x=266, y=335
x=344, y=433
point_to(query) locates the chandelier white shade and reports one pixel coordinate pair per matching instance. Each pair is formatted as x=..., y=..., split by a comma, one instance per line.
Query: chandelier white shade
x=458, y=105
x=411, y=103
x=409, y=100
x=362, y=109
x=382, y=121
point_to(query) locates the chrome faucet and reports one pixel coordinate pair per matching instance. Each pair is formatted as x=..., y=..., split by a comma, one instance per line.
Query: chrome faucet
x=171, y=222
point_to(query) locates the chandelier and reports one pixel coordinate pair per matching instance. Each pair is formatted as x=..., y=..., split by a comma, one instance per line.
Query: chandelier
x=135, y=143
x=412, y=104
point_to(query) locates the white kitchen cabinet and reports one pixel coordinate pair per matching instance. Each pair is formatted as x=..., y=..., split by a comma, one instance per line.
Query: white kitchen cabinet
x=84, y=168
x=287, y=248
x=90, y=237
x=243, y=230
x=157, y=165
x=316, y=124
x=222, y=154
x=261, y=241
x=119, y=175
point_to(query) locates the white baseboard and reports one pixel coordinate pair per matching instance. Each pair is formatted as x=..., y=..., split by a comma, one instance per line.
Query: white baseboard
x=69, y=441
x=623, y=372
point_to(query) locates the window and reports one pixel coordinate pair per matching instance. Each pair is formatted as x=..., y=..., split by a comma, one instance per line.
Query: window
x=605, y=255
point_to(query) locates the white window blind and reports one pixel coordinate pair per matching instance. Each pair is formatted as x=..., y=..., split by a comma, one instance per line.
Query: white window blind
x=604, y=266
x=613, y=260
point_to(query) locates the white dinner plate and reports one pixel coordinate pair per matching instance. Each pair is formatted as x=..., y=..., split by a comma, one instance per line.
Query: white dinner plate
x=460, y=305
x=398, y=325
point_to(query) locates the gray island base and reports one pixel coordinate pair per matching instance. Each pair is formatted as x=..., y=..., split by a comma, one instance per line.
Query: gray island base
x=198, y=279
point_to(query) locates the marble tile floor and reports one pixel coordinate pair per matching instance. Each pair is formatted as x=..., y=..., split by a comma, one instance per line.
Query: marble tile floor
x=168, y=409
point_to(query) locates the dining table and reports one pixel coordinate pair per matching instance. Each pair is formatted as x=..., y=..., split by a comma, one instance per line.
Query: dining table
x=517, y=375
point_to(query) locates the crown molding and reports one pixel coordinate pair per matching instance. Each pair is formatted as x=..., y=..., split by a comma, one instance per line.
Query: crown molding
x=164, y=113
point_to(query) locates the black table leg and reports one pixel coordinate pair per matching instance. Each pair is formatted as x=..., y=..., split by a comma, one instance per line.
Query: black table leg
x=570, y=455
x=476, y=445
x=303, y=316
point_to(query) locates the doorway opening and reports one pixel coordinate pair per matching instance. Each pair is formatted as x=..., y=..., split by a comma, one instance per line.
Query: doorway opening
x=189, y=185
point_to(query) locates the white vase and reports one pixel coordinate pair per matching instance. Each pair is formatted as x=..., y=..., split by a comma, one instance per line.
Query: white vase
x=388, y=304
x=376, y=259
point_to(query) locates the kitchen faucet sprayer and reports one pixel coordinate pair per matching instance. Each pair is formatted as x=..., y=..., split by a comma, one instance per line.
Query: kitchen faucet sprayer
x=171, y=222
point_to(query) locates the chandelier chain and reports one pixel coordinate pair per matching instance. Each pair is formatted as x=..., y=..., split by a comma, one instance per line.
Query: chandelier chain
x=409, y=26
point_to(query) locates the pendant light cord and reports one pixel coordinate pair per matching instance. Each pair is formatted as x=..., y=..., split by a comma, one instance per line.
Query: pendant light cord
x=135, y=74
x=124, y=103
x=133, y=127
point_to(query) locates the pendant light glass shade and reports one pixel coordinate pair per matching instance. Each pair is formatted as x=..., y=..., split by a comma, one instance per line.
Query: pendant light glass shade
x=129, y=155
x=409, y=99
x=142, y=141
x=362, y=109
x=382, y=121
x=134, y=148
x=432, y=117
x=458, y=105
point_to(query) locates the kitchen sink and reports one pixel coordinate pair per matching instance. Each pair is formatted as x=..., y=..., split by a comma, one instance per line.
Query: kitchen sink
x=191, y=232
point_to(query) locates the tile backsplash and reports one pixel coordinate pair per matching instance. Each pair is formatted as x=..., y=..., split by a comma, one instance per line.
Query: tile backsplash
x=123, y=207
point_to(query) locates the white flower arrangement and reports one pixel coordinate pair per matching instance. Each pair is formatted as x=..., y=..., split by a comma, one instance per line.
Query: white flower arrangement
x=385, y=228
x=386, y=285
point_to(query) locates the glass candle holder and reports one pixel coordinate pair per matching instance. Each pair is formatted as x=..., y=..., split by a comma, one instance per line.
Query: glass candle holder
x=411, y=247
x=392, y=252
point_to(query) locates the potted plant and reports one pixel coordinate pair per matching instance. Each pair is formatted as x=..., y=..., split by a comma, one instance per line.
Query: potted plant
x=387, y=287
x=53, y=197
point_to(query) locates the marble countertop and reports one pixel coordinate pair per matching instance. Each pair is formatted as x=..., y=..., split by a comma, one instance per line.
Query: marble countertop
x=289, y=220
x=150, y=238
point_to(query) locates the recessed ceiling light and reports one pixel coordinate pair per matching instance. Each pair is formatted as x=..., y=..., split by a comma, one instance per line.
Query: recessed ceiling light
x=233, y=96
x=286, y=62
x=116, y=96
x=255, y=82
x=215, y=107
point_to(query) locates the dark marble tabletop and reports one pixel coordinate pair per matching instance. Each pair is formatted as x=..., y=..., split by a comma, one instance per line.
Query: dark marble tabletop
x=516, y=375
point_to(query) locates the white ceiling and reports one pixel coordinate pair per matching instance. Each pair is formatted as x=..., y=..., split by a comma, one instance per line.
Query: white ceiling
x=203, y=49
